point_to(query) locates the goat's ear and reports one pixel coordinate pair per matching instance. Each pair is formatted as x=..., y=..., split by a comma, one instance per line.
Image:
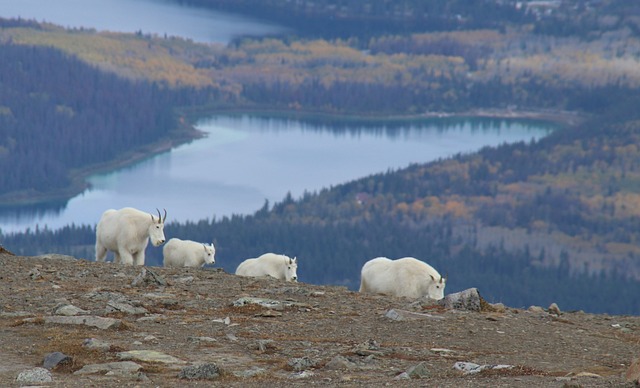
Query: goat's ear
x=432, y=278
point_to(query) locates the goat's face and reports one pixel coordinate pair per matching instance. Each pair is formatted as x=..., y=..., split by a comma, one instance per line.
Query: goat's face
x=156, y=229
x=291, y=269
x=209, y=254
x=436, y=288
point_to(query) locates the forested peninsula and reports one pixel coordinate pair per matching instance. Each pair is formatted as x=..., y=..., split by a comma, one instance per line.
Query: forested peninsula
x=553, y=220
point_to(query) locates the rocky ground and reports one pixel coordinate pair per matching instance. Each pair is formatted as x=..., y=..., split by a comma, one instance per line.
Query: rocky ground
x=146, y=326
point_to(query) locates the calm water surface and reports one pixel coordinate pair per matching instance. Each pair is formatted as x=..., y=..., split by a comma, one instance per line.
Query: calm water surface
x=246, y=160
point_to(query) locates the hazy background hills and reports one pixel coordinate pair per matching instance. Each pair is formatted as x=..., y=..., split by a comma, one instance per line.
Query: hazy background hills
x=555, y=220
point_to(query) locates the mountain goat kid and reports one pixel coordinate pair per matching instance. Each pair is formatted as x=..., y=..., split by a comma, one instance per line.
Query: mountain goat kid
x=187, y=253
x=406, y=277
x=126, y=232
x=278, y=266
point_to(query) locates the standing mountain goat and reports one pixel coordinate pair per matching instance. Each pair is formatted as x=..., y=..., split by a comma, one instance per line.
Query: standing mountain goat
x=187, y=253
x=126, y=232
x=406, y=277
x=278, y=266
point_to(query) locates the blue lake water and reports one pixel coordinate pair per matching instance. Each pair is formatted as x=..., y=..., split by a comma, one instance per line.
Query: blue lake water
x=246, y=160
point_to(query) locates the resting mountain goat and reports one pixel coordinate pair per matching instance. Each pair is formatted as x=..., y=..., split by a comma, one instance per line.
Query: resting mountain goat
x=406, y=277
x=187, y=253
x=278, y=266
x=126, y=232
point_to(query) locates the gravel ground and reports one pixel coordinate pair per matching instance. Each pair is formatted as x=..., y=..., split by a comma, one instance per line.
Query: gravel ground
x=300, y=335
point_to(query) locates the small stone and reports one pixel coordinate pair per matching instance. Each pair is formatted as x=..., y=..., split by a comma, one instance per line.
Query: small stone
x=468, y=299
x=535, y=309
x=112, y=368
x=255, y=371
x=70, y=310
x=301, y=375
x=92, y=343
x=418, y=371
x=114, y=306
x=554, y=309
x=200, y=372
x=35, y=376
x=87, y=320
x=149, y=356
x=300, y=364
x=148, y=277
x=52, y=360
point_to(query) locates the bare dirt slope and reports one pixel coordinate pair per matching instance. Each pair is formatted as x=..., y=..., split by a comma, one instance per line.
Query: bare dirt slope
x=303, y=335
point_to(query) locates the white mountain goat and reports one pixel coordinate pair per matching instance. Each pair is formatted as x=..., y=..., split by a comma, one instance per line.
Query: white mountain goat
x=126, y=232
x=278, y=266
x=187, y=253
x=406, y=277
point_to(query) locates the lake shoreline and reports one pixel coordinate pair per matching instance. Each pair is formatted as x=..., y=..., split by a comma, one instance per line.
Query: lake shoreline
x=188, y=133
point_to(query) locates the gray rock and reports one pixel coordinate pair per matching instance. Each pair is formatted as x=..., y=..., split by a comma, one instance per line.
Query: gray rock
x=368, y=348
x=554, y=309
x=305, y=374
x=268, y=303
x=200, y=372
x=54, y=359
x=302, y=363
x=418, y=371
x=149, y=356
x=70, y=310
x=473, y=368
x=148, y=277
x=92, y=343
x=468, y=299
x=35, y=274
x=202, y=339
x=124, y=367
x=89, y=320
x=35, y=376
x=340, y=362
x=255, y=371
x=114, y=306
x=536, y=309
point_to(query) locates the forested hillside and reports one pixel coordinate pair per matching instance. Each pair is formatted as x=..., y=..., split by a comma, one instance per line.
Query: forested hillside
x=531, y=223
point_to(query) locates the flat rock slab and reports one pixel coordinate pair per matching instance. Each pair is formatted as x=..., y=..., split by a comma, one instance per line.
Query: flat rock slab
x=90, y=320
x=149, y=356
x=122, y=366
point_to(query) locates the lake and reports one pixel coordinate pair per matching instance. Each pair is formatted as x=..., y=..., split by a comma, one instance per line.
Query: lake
x=246, y=160
x=243, y=161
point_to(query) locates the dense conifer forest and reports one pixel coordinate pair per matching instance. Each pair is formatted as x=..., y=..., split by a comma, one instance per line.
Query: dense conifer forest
x=555, y=220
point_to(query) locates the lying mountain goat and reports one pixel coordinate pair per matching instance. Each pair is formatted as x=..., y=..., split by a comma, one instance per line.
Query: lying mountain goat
x=187, y=253
x=406, y=277
x=126, y=232
x=278, y=266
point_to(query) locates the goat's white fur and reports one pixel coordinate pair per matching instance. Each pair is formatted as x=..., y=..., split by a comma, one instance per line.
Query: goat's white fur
x=405, y=277
x=270, y=264
x=187, y=253
x=126, y=232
